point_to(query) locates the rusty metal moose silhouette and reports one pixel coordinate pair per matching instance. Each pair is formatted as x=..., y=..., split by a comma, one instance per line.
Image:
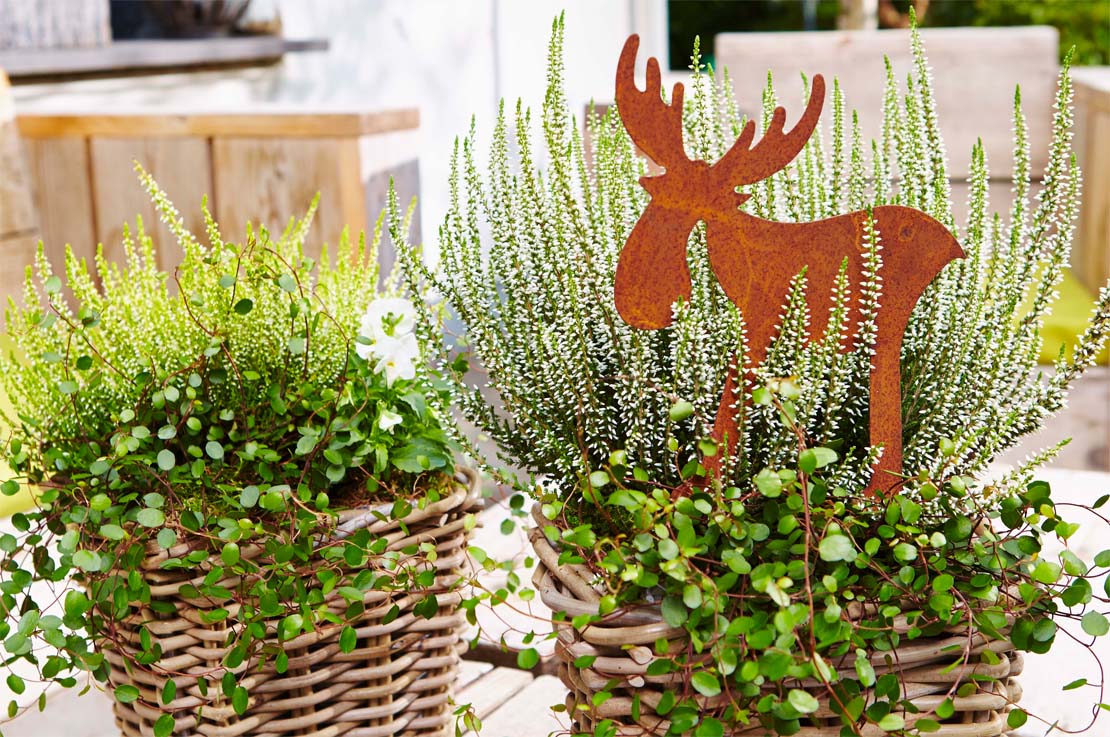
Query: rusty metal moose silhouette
x=754, y=260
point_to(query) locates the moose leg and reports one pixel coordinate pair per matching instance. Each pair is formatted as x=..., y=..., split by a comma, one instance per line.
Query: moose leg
x=726, y=430
x=886, y=415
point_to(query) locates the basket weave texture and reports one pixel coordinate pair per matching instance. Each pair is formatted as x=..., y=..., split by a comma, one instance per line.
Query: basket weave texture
x=623, y=647
x=397, y=680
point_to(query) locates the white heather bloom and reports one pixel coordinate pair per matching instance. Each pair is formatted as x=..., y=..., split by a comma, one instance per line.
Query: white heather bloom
x=388, y=316
x=388, y=420
x=397, y=357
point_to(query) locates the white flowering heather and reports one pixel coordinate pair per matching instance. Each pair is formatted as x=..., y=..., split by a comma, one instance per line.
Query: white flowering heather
x=133, y=320
x=528, y=263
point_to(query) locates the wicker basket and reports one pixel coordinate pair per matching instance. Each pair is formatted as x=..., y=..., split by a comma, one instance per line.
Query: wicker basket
x=623, y=647
x=397, y=680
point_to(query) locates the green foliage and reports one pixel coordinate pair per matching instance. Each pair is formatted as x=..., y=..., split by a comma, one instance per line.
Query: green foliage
x=1083, y=24
x=810, y=584
x=224, y=413
x=528, y=265
x=767, y=567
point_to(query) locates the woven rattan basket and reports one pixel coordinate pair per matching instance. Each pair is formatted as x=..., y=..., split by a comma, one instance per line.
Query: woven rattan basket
x=623, y=648
x=397, y=680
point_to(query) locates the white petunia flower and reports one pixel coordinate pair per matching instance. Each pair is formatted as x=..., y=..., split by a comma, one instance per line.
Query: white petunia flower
x=364, y=350
x=388, y=317
x=388, y=420
x=397, y=357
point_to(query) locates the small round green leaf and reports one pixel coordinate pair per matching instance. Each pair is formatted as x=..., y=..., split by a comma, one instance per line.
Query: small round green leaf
x=710, y=727
x=126, y=694
x=163, y=727
x=348, y=639
x=1095, y=624
x=705, y=683
x=943, y=582
x=680, y=410
x=112, y=532
x=166, y=459
x=87, y=560
x=527, y=659
x=230, y=554
x=833, y=548
x=167, y=538
x=811, y=459
x=148, y=517
x=239, y=700
x=802, y=701
x=892, y=723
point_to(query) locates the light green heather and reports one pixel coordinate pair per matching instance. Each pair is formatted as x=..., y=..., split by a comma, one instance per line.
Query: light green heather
x=133, y=321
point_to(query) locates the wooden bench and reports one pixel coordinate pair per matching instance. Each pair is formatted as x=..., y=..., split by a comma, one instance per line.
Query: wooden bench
x=975, y=72
x=1091, y=258
x=264, y=166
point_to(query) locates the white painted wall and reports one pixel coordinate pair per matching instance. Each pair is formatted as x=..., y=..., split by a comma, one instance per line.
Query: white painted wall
x=450, y=59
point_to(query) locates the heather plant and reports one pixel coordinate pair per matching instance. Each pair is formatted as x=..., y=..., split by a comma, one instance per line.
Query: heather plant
x=221, y=416
x=784, y=569
x=528, y=262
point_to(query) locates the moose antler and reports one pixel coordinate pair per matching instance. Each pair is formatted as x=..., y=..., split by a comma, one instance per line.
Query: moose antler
x=745, y=164
x=655, y=126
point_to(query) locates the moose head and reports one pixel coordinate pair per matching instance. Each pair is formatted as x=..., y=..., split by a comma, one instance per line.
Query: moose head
x=755, y=260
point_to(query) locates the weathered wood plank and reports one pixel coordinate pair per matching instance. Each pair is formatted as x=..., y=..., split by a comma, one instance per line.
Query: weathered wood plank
x=67, y=713
x=181, y=167
x=41, y=24
x=973, y=100
x=17, y=213
x=1091, y=256
x=470, y=670
x=63, y=195
x=157, y=54
x=527, y=712
x=271, y=122
x=268, y=181
x=15, y=254
x=493, y=689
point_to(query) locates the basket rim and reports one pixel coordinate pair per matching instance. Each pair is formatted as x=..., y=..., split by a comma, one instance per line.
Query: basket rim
x=585, y=598
x=467, y=494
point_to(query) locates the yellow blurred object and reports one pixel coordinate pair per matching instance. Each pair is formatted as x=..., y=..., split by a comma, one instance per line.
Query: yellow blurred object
x=1068, y=320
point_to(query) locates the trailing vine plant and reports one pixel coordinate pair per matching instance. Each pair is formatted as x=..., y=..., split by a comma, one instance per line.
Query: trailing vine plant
x=222, y=415
x=785, y=570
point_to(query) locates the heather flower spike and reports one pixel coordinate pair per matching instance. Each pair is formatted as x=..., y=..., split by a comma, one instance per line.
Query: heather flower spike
x=756, y=261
